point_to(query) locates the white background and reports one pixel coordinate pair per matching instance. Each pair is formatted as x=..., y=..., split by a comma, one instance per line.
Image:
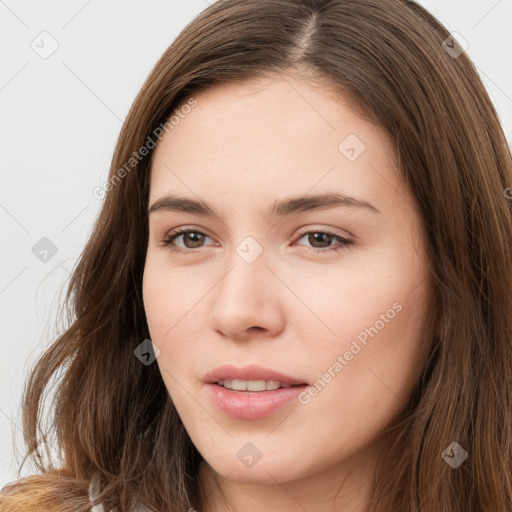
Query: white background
x=59, y=120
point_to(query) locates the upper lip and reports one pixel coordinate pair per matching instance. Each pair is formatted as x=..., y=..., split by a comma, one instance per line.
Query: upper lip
x=249, y=372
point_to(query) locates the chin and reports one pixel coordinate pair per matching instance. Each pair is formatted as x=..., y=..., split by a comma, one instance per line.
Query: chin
x=265, y=471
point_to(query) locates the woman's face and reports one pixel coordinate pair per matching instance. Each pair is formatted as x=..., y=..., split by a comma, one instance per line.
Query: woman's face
x=264, y=279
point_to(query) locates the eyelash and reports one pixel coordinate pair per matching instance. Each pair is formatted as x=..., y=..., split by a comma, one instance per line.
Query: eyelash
x=170, y=237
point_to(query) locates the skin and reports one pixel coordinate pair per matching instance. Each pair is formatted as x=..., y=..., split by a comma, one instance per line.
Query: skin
x=242, y=147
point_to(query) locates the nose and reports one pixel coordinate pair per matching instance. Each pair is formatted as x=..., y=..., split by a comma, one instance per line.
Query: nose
x=246, y=303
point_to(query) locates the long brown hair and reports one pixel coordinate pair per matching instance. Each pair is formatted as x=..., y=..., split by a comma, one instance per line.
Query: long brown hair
x=112, y=416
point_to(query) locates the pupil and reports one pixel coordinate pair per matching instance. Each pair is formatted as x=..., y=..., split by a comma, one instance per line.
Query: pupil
x=192, y=235
x=313, y=237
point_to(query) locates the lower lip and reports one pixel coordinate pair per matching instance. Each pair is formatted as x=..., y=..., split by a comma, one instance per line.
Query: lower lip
x=252, y=405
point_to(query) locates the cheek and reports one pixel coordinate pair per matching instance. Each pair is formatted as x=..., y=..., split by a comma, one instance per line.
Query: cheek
x=156, y=299
x=172, y=305
x=365, y=377
x=370, y=342
x=167, y=296
x=343, y=301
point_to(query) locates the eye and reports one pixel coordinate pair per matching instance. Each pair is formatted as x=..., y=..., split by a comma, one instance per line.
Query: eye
x=193, y=239
x=324, y=238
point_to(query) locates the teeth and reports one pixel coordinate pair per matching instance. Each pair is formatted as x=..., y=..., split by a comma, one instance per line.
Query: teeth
x=252, y=385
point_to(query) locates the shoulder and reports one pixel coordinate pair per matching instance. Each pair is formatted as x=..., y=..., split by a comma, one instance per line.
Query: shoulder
x=51, y=492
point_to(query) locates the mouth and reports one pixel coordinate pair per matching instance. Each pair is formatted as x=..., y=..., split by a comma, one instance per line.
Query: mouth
x=252, y=399
x=251, y=378
x=256, y=386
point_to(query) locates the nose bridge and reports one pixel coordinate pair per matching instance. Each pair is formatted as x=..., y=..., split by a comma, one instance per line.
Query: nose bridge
x=248, y=270
x=245, y=297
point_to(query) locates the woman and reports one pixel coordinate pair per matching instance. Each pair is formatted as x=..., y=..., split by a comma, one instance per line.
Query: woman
x=298, y=292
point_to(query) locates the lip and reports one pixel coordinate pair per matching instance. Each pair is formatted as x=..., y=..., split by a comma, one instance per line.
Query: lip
x=252, y=405
x=250, y=372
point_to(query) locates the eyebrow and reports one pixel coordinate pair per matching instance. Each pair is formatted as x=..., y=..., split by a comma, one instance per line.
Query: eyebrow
x=279, y=208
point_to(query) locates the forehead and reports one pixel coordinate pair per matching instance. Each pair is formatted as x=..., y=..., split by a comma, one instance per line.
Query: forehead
x=273, y=135
x=280, y=111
